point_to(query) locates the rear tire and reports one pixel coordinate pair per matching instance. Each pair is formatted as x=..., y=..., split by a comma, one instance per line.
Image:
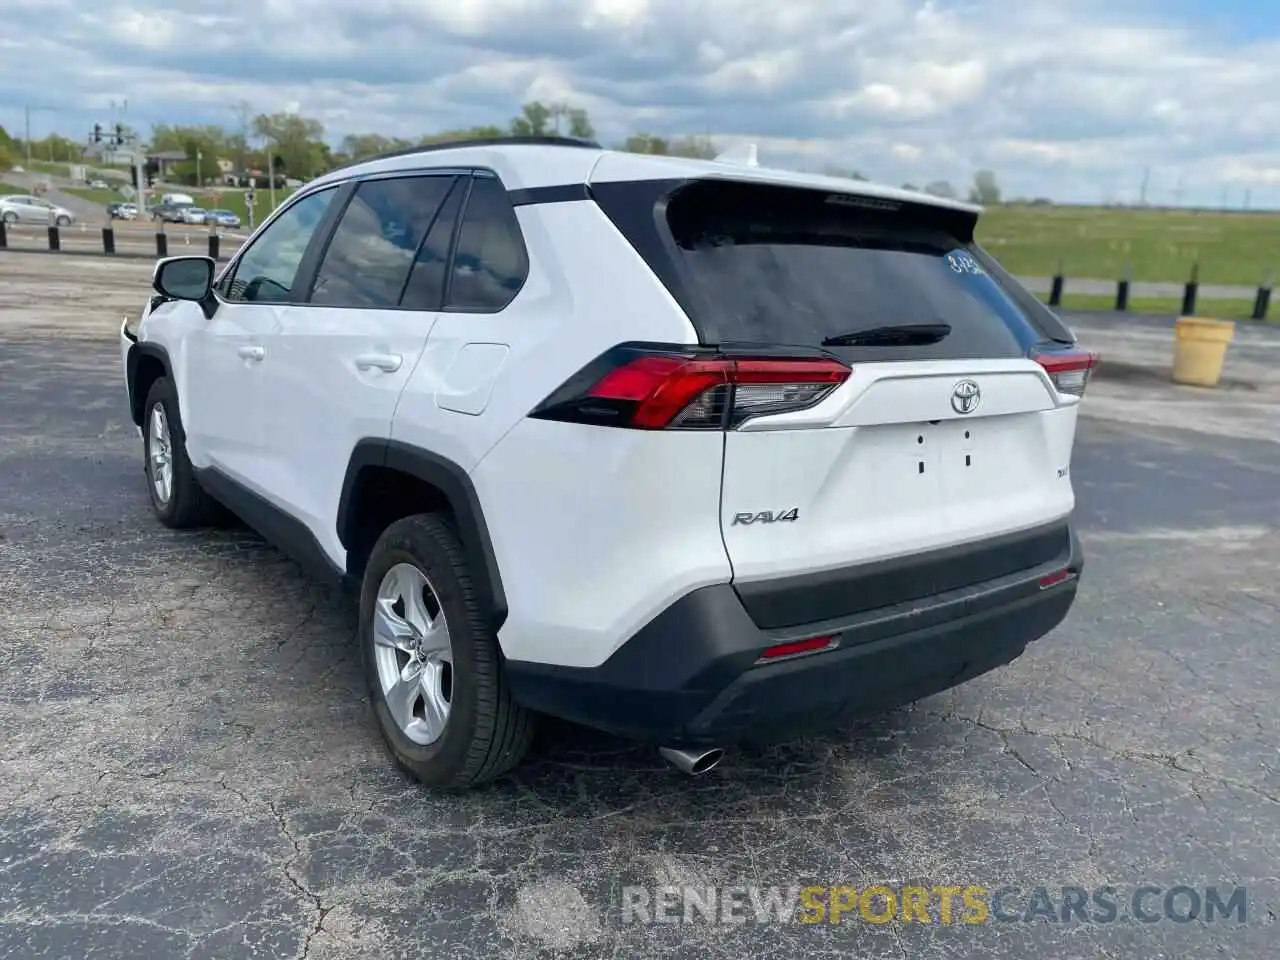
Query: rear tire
x=433, y=655
x=177, y=498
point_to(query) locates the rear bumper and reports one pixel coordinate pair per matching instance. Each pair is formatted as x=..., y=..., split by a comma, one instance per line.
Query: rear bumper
x=690, y=677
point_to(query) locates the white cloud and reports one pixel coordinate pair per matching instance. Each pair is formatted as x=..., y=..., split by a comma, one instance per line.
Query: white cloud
x=1067, y=100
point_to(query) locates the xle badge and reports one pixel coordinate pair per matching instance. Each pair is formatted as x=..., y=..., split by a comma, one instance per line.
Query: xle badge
x=766, y=516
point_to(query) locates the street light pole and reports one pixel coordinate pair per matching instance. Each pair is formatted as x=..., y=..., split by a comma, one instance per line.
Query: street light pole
x=271, y=174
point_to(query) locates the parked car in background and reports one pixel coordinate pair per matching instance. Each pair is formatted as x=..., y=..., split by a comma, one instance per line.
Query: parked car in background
x=122, y=211
x=193, y=215
x=99, y=185
x=24, y=209
x=170, y=212
x=222, y=218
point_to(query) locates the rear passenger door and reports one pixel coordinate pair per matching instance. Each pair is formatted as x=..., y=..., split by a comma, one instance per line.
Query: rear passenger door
x=482, y=332
x=342, y=355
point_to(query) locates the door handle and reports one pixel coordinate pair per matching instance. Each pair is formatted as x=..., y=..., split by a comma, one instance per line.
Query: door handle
x=252, y=353
x=386, y=362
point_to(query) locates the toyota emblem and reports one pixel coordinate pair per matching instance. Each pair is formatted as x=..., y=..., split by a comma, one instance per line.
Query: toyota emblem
x=965, y=397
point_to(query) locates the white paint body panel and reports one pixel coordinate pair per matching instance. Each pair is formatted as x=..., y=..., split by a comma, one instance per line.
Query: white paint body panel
x=317, y=404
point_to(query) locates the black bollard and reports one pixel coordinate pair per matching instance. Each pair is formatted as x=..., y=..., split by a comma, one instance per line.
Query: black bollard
x=108, y=241
x=1189, y=293
x=4, y=235
x=1055, y=291
x=1261, y=303
x=162, y=244
x=1122, y=296
x=213, y=246
x=55, y=240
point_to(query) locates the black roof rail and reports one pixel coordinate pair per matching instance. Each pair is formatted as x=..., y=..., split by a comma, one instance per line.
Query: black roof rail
x=477, y=142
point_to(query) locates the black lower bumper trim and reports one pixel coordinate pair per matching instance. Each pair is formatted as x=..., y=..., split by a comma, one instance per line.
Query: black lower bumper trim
x=690, y=676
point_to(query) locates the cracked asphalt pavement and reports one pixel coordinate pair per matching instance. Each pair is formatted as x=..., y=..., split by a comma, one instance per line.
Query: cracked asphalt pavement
x=188, y=766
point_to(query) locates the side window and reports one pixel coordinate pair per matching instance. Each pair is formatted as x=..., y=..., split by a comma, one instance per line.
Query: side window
x=372, y=251
x=266, y=272
x=425, y=289
x=490, y=264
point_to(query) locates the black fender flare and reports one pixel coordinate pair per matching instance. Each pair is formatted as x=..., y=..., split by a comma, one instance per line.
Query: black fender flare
x=451, y=480
x=133, y=360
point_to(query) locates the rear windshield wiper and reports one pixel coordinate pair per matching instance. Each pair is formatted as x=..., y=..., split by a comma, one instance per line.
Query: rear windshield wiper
x=898, y=335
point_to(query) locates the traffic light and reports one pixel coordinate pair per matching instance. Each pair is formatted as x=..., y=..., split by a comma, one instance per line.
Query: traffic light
x=97, y=133
x=119, y=133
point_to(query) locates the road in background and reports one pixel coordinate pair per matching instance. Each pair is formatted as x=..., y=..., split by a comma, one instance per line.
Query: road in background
x=190, y=769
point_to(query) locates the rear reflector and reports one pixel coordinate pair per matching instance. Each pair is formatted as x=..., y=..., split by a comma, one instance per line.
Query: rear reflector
x=796, y=647
x=1053, y=579
x=656, y=388
x=1068, y=369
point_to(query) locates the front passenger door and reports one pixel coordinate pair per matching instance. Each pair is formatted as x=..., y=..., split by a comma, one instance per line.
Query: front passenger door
x=228, y=356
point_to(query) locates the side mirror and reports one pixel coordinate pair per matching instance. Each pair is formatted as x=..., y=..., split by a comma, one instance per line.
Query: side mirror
x=184, y=278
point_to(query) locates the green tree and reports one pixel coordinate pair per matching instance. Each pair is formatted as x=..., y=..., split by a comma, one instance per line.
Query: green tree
x=296, y=140
x=359, y=146
x=847, y=172
x=471, y=133
x=646, y=143
x=985, y=189
x=941, y=188
x=203, y=145
x=534, y=120
x=695, y=147
x=911, y=186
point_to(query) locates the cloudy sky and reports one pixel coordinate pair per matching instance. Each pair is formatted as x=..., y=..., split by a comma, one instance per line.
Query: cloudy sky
x=1072, y=99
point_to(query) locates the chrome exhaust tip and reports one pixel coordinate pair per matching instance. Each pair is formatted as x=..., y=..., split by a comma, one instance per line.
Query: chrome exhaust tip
x=693, y=762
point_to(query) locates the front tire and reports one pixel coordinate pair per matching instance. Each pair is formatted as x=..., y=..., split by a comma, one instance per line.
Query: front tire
x=433, y=664
x=176, y=496
x=10, y=217
x=63, y=221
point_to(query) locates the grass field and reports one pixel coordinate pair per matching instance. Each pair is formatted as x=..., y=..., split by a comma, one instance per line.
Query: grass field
x=9, y=190
x=46, y=166
x=233, y=200
x=1165, y=306
x=1161, y=245
x=96, y=196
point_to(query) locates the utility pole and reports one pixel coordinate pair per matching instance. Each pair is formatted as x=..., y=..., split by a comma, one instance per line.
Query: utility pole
x=1177, y=192
x=242, y=114
x=1146, y=180
x=1247, y=194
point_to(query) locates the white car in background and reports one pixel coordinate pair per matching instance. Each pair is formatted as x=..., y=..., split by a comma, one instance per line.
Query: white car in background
x=193, y=215
x=27, y=209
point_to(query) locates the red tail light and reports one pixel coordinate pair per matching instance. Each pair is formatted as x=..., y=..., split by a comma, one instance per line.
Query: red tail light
x=1068, y=369
x=678, y=388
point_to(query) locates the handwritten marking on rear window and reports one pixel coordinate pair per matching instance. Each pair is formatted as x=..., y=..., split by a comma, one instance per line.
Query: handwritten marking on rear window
x=963, y=262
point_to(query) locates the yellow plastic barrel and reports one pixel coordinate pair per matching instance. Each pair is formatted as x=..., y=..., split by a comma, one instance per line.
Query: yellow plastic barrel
x=1199, y=350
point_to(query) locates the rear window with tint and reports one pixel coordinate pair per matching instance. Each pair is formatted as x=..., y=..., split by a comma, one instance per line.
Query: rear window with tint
x=791, y=266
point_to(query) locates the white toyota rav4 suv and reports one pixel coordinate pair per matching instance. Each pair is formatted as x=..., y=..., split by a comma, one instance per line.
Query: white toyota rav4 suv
x=695, y=452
